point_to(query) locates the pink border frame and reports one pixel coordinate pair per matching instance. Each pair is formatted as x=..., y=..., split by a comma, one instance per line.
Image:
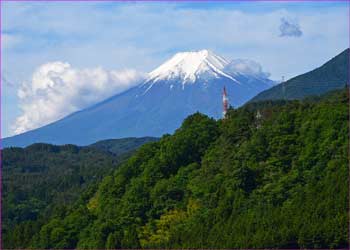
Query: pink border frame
x=170, y=1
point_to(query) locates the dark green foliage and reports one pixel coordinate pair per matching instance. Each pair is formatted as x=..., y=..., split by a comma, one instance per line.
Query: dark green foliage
x=279, y=181
x=42, y=179
x=332, y=75
x=120, y=146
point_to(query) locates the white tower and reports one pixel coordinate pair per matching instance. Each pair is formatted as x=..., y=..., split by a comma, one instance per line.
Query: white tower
x=224, y=103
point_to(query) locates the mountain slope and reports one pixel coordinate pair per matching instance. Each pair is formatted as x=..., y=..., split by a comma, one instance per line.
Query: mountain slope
x=334, y=74
x=242, y=182
x=187, y=83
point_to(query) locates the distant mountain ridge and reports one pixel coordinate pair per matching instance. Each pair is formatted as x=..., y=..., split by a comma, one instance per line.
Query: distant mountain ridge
x=122, y=146
x=332, y=75
x=186, y=83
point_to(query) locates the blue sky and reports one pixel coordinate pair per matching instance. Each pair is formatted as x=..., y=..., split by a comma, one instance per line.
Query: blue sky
x=91, y=41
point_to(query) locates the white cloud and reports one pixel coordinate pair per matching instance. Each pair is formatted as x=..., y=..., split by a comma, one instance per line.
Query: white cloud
x=142, y=35
x=104, y=34
x=57, y=89
x=246, y=66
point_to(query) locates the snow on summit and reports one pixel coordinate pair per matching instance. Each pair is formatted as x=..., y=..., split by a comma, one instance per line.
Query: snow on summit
x=188, y=82
x=188, y=66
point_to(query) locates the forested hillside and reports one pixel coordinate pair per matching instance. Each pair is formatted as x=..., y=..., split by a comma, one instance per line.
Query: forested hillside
x=275, y=181
x=43, y=179
x=124, y=145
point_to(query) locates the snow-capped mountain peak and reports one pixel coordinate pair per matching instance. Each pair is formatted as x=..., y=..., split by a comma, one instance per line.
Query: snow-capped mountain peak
x=188, y=66
x=187, y=83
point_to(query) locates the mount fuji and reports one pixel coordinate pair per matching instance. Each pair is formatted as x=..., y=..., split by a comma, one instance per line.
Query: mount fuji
x=186, y=83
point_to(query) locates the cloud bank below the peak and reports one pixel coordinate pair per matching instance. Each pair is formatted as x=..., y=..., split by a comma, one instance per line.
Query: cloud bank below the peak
x=58, y=89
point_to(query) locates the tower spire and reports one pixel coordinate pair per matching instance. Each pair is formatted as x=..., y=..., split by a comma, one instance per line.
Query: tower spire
x=224, y=102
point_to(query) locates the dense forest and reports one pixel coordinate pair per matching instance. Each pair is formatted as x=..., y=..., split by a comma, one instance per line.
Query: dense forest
x=44, y=179
x=272, y=174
